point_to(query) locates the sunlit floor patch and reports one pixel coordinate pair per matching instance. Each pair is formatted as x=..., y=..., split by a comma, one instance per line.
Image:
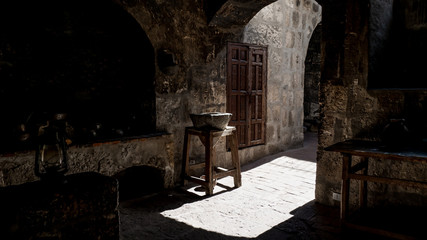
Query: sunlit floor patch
x=269, y=193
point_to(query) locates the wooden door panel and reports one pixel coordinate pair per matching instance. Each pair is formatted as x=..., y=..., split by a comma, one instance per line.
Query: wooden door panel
x=260, y=109
x=243, y=78
x=234, y=77
x=246, y=92
x=241, y=134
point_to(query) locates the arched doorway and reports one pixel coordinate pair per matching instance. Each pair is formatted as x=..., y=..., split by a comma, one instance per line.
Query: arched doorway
x=312, y=81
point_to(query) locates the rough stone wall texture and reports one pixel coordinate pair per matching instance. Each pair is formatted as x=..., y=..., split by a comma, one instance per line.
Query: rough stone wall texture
x=196, y=82
x=350, y=110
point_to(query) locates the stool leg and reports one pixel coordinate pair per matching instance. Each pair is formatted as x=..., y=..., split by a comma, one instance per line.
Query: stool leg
x=235, y=159
x=209, y=163
x=185, y=158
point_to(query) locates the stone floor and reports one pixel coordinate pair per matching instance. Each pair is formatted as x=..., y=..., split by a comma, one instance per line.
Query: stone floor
x=276, y=201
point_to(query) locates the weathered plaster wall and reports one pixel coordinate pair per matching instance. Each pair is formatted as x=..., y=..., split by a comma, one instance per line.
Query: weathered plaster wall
x=350, y=110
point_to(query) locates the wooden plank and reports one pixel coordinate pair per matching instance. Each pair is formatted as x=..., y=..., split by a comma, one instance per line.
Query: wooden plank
x=235, y=159
x=345, y=187
x=359, y=166
x=197, y=180
x=209, y=156
x=220, y=169
x=387, y=180
x=363, y=185
x=197, y=166
x=378, y=150
x=223, y=174
x=186, y=156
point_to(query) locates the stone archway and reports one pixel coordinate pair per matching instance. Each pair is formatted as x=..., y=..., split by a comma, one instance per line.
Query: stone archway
x=234, y=13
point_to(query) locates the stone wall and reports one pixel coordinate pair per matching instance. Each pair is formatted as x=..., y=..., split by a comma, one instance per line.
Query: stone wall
x=194, y=80
x=351, y=110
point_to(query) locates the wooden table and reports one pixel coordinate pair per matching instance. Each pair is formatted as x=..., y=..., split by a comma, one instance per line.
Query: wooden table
x=212, y=172
x=371, y=150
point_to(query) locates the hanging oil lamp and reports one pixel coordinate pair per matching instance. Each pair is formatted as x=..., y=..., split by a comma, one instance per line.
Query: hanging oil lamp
x=51, y=152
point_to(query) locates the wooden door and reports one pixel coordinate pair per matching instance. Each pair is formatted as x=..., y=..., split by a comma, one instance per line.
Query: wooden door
x=246, y=91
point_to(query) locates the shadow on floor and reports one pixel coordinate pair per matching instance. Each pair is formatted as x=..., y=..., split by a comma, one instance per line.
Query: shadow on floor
x=144, y=220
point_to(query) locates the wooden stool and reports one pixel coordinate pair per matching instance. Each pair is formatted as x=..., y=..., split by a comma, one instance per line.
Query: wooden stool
x=212, y=172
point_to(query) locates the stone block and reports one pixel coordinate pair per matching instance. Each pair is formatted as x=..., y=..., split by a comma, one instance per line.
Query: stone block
x=274, y=94
x=275, y=58
x=271, y=133
x=314, y=21
x=307, y=4
x=298, y=99
x=303, y=20
x=297, y=80
x=316, y=7
x=289, y=39
x=336, y=97
x=289, y=98
x=286, y=60
x=290, y=3
x=285, y=117
x=276, y=109
x=272, y=13
x=287, y=78
x=295, y=19
x=299, y=41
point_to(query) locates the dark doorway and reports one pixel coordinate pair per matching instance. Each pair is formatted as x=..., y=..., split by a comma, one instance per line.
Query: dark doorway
x=89, y=59
x=312, y=76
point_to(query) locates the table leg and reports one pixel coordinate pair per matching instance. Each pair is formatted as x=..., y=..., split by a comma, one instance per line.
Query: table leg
x=209, y=156
x=185, y=157
x=345, y=186
x=235, y=159
x=363, y=187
